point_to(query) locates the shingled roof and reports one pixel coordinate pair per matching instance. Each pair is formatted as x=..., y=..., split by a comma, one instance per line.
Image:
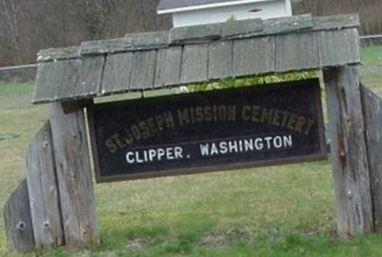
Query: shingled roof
x=196, y=54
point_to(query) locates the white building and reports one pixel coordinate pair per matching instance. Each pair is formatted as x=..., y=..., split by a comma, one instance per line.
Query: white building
x=197, y=12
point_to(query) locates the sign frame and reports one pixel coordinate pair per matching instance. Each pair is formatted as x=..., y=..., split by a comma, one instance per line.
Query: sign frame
x=210, y=168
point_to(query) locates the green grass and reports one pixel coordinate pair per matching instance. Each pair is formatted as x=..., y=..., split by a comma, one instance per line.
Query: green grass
x=15, y=90
x=274, y=211
x=371, y=70
x=15, y=95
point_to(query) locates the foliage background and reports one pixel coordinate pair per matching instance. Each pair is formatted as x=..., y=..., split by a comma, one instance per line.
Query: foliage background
x=27, y=26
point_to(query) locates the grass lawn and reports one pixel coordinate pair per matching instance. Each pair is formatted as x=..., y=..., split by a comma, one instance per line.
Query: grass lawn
x=273, y=211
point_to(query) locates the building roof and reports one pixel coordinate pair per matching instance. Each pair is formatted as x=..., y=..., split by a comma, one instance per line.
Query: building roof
x=170, y=6
x=196, y=54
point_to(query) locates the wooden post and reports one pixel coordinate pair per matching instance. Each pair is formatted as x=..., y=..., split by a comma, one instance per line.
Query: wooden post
x=349, y=152
x=42, y=187
x=18, y=222
x=372, y=109
x=74, y=177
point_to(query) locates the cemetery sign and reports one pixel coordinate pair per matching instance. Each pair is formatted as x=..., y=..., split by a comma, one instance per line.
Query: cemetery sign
x=212, y=130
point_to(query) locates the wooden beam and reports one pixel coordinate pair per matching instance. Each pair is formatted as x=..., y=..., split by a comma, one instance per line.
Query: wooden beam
x=372, y=109
x=43, y=192
x=349, y=153
x=75, y=106
x=18, y=222
x=74, y=177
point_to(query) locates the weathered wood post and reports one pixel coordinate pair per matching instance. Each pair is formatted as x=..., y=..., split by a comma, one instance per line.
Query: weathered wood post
x=74, y=176
x=43, y=190
x=349, y=151
x=18, y=221
x=372, y=110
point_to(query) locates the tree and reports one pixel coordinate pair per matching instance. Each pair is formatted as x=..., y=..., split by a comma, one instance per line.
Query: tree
x=95, y=16
x=9, y=27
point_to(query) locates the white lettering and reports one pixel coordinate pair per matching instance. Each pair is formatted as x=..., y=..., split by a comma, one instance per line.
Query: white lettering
x=152, y=154
x=223, y=147
x=178, y=152
x=288, y=142
x=259, y=144
x=277, y=142
x=137, y=159
x=268, y=139
x=204, y=149
x=161, y=153
x=248, y=145
x=240, y=145
x=169, y=155
x=129, y=158
x=214, y=149
x=232, y=145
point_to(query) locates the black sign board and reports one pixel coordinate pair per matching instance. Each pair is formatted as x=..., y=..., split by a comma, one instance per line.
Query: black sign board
x=207, y=131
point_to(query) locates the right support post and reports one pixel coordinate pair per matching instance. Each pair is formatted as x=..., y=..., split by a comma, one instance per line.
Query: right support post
x=349, y=152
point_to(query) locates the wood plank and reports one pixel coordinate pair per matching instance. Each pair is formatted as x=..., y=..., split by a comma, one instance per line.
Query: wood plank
x=168, y=67
x=242, y=28
x=336, y=22
x=131, y=42
x=253, y=56
x=151, y=40
x=55, y=80
x=69, y=79
x=143, y=70
x=54, y=54
x=43, y=191
x=339, y=47
x=372, y=109
x=90, y=76
x=220, y=60
x=349, y=153
x=109, y=46
x=74, y=177
x=289, y=24
x=194, y=63
x=117, y=73
x=18, y=222
x=296, y=52
x=195, y=34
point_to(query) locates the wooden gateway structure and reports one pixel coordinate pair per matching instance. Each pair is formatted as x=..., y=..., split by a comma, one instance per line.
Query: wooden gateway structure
x=55, y=205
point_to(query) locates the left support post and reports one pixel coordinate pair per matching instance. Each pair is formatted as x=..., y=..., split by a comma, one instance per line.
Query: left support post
x=75, y=184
